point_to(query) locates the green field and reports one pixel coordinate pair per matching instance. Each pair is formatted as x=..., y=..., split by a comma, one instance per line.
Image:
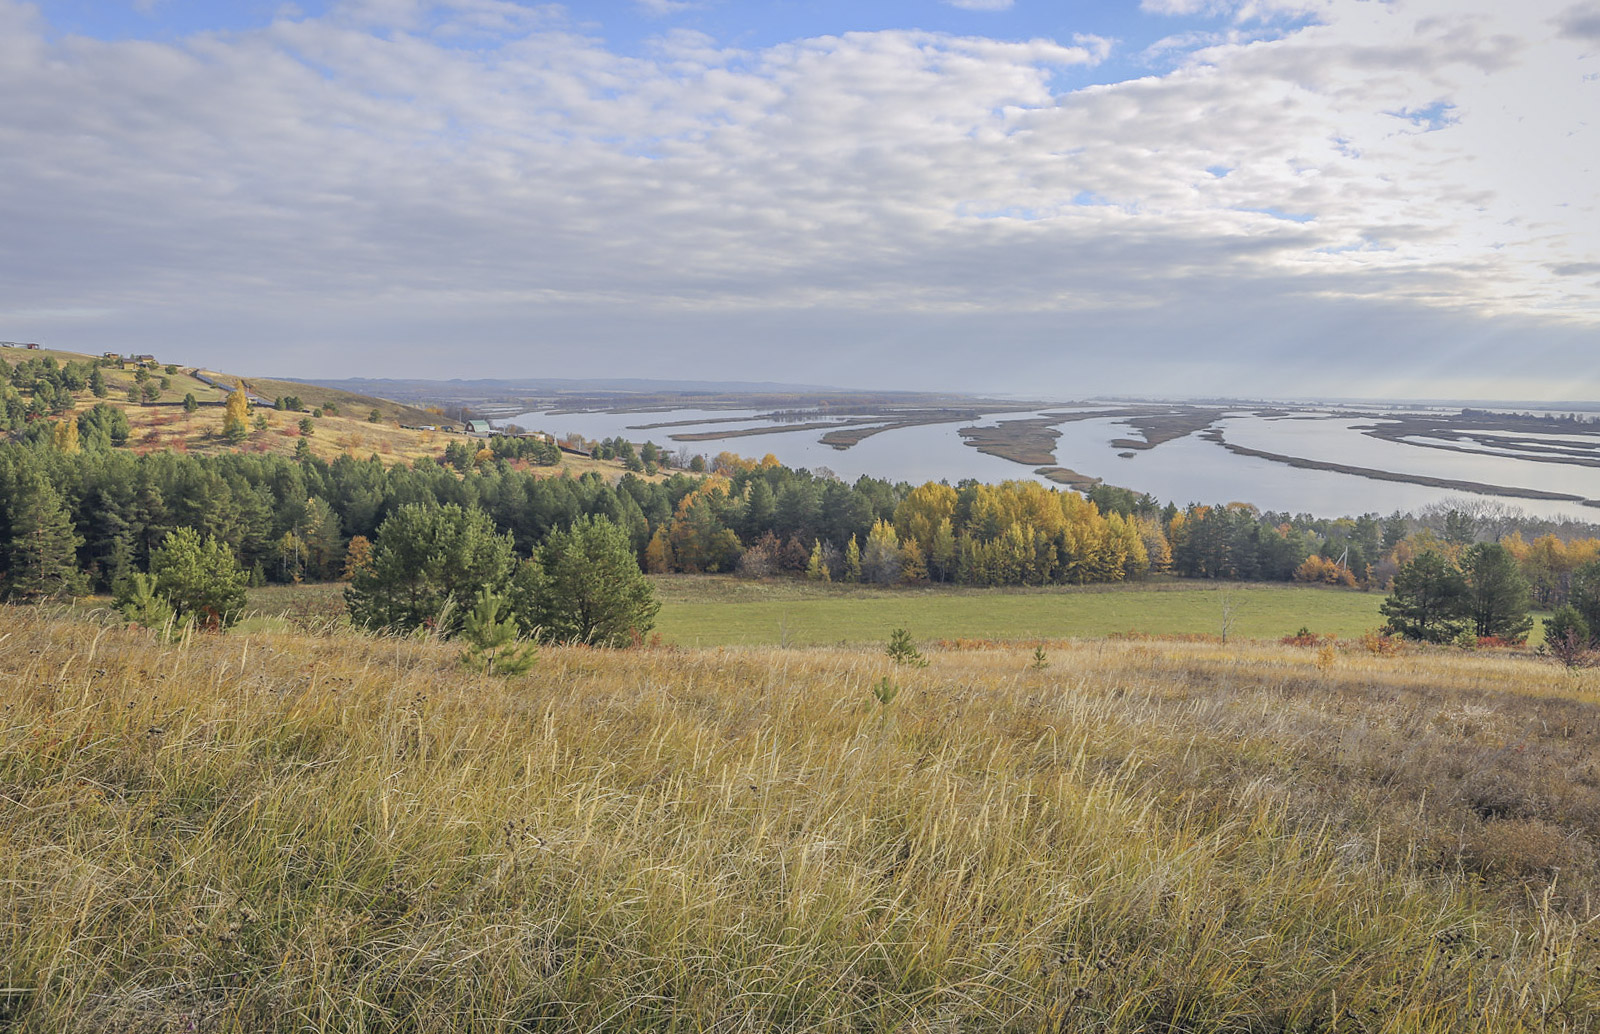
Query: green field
x=720, y=610
x=714, y=611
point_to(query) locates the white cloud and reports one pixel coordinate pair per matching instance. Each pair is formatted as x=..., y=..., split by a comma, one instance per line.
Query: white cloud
x=1365, y=192
x=664, y=8
x=981, y=5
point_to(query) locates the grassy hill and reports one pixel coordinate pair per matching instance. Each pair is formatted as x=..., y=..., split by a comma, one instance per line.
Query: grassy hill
x=344, y=428
x=283, y=832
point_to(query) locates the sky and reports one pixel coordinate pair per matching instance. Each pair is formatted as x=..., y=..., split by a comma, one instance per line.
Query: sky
x=1254, y=198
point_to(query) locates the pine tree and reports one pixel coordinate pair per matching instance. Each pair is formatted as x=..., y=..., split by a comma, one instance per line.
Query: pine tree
x=43, y=554
x=1497, y=593
x=201, y=579
x=139, y=602
x=492, y=645
x=323, y=541
x=589, y=587
x=97, y=383
x=1428, y=601
x=903, y=650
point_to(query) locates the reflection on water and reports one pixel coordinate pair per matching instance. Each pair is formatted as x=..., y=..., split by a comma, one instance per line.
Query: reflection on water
x=1189, y=469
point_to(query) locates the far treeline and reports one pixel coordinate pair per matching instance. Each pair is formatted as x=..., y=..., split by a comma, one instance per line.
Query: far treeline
x=78, y=514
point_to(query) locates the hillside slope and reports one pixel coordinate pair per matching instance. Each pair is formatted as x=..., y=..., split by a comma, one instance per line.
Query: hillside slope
x=335, y=832
x=344, y=426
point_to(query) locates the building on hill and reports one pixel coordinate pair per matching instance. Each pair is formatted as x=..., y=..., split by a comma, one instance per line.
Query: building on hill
x=115, y=357
x=479, y=427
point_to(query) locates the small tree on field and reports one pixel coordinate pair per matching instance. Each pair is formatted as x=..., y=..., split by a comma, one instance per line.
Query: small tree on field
x=491, y=635
x=428, y=563
x=202, y=580
x=902, y=650
x=586, y=586
x=236, y=416
x=136, y=598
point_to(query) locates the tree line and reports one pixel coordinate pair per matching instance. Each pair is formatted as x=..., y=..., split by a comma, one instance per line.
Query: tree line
x=78, y=514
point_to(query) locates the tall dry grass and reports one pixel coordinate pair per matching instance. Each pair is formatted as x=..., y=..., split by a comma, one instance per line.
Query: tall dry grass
x=338, y=833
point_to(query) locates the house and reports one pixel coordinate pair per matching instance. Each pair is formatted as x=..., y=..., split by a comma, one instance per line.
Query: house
x=115, y=357
x=479, y=427
x=32, y=344
x=539, y=436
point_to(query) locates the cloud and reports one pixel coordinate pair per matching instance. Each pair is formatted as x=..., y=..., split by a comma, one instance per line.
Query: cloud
x=981, y=5
x=1581, y=22
x=371, y=184
x=664, y=8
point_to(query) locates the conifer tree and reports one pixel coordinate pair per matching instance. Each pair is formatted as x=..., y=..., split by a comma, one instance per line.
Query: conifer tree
x=137, y=599
x=43, y=557
x=1497, y=593
x=852, y=561
x=201, y=579
x=492, y=645
x=1428, y=601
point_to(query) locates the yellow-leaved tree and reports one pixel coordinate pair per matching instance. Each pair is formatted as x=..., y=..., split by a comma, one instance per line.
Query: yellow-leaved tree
x=236, y=417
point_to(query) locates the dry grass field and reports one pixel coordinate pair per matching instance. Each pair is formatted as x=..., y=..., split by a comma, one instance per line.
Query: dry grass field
x=282, y=832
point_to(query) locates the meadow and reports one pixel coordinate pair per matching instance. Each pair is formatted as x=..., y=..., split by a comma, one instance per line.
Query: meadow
x=720, y=610
x=283, y=831
x=715, y=611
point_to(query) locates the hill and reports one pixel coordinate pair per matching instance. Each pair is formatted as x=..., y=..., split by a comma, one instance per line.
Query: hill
x=283, y=832
x=342, y=422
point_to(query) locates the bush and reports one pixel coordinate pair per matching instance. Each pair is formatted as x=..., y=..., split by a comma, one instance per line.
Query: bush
x=1567, y=638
